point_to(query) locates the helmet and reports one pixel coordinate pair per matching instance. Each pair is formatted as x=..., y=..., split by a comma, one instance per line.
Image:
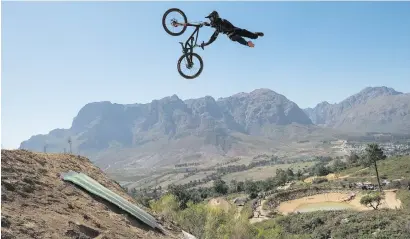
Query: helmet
x=213, y=16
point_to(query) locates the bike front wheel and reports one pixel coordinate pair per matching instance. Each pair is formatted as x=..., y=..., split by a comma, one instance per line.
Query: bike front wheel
x=194, y=67
x=174, y=16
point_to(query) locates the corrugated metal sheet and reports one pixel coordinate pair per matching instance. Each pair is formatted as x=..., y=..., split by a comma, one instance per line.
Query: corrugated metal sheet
x=187, y=235
x=97, y=189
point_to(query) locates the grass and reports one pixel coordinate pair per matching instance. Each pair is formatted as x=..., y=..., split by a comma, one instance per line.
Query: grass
x=262, y=173
x=394, y=168
x=350, y=171
x=404, y=196
x=391, y=168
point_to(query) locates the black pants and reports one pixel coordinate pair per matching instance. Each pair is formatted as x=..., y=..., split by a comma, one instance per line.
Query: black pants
x=238, y=35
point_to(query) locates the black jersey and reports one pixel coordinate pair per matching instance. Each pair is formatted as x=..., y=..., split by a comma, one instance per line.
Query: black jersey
x=223, y=26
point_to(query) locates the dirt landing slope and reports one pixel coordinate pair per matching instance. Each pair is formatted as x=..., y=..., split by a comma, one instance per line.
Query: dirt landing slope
x=36, y=203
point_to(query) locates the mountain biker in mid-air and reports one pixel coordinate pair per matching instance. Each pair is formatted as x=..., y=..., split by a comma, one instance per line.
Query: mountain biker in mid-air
x=234, y=33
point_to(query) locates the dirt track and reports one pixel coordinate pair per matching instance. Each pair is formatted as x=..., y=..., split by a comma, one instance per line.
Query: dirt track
x=290, y=206
x=259, y=215
x=391, y=200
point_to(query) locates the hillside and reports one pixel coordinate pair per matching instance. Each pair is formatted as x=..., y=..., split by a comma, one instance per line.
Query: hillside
x=170, y=130
x=391, y=168
x=37, y=203
x=374, y=109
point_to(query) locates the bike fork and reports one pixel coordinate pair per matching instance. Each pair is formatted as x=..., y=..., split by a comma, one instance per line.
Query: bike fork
x=187, y=53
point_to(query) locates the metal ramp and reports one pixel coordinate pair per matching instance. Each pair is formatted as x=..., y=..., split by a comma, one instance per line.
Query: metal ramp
x=99, y=190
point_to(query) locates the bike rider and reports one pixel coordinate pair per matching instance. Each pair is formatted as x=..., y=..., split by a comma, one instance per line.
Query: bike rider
x=234, y=33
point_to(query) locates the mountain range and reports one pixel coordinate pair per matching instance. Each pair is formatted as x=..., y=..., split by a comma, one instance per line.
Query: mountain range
x=171, y=130
x=374, y=109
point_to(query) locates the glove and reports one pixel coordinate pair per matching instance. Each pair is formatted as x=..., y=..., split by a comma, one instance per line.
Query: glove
x=202, y=45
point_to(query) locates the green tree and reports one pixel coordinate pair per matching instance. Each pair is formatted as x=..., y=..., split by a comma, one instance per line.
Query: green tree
x=290, y=173
x=339, y=165
x=220, y=186
x=251, y=188
x=195, y=196
x=372, y=200
x=352, y=159
x=240, y=187
x=281, y=176
x=373, y=154
x=299, y=174
x=233, y=186
x=320, y=170
x=181, y=195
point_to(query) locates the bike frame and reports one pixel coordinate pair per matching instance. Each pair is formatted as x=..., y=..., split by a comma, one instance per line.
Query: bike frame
x=188, y=48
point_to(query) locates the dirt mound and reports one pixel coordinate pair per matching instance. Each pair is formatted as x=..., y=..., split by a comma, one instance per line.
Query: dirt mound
x=220, y=202
x=36, y=203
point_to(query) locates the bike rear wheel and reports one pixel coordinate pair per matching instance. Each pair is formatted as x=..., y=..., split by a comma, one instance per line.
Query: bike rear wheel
x=196, y=59
x=183, y=19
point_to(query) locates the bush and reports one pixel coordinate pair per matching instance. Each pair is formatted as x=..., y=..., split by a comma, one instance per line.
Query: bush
x=268, y=229
x=339, y=165
x=203, y=221
x=272, y=214
x=221, y=187
x=328, y=224
x=405, y=183
x=193, y=218
x=167, y=207
x=247, y=211
x=394, y=184
x=319, y=180
x=321, y=170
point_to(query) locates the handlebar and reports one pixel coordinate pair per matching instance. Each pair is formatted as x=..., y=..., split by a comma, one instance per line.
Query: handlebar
x=191, y=24
x=204, y=24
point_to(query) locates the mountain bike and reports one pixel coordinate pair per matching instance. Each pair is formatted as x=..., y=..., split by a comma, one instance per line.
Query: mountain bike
x=188, y=53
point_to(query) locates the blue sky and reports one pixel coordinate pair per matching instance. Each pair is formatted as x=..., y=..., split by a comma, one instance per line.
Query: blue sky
x=59, y=56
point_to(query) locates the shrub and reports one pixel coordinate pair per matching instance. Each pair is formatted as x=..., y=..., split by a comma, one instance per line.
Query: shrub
x=247, y=211
x=203, y=221
x=193, y=218
x=319, y=180
x=167, y=206
x=327, y=224
x=394, y=184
